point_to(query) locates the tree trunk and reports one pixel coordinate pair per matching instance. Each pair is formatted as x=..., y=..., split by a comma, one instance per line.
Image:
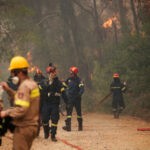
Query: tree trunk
x=134, y=17
x=73, y=37
x=97, y=23
x=123, y=19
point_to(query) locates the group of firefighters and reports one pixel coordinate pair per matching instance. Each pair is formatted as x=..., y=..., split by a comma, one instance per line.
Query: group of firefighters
x=52, y=89
x=36, y=101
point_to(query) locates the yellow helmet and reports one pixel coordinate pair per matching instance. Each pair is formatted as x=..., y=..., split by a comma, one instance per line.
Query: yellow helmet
x=18, y=62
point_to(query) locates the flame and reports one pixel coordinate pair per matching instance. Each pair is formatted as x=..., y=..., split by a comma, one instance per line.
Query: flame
x=32, y=68
x=109, y=22
x=29, y=56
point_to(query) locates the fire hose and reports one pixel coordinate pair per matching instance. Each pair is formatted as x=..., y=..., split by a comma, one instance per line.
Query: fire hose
x=143, y=129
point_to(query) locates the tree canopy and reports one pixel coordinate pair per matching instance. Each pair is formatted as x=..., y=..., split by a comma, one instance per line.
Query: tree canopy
x=98, y=36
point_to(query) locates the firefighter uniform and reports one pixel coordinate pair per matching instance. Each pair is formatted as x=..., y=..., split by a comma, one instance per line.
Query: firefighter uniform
x=5, y=124
x=75, y=89
x=42, y=83
x=25, y=110
x=50, y=108
x=25, y=114
x=117, y=89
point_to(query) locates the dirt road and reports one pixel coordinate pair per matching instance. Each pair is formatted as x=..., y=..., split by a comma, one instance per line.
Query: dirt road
x=101, y=132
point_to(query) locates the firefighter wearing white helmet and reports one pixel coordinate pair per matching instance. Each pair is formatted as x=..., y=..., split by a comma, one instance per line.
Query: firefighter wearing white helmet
x=25, y=112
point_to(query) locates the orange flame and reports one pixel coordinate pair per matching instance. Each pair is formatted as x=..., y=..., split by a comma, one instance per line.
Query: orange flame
x=32, y=68
x=29, y=56
x=109, y=22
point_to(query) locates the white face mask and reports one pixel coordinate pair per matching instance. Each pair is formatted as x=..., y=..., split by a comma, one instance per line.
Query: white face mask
x=15, y=80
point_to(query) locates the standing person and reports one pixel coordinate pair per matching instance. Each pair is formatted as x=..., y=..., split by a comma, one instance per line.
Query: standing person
x=41, y=80
x=25, y=112
x=117, y=89
x=75, y=89
x=50, y=108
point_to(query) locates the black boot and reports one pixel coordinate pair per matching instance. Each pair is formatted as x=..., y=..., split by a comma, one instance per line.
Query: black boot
x=46, y=131
x=80, y=126
x=53, y=138
x=116, y=115
x=68, y=125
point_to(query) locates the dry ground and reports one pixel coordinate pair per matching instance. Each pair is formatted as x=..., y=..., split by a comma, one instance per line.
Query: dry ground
x=101, y=132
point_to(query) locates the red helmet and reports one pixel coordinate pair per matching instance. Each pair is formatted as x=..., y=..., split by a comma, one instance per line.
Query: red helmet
x=74, y=70
x=50, y=69
x=115, y=75
x=38, y=71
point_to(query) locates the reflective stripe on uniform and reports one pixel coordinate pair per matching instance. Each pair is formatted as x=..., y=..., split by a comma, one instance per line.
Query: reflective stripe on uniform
x=54, y=125
x=81, y=84
x=79, y=116
x=64, y=84
x=45, y=124
x=115, y=87
x=23, y=103
x=40, y=87
x=69, y=116
x=35, y=93
x=62, y=89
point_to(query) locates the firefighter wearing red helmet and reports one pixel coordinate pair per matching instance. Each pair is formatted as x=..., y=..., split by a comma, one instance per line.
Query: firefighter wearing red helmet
x=75, y=89
x=74, y=70
x=50, y=108
x=50, y=69
x=117, y=88
x=115, y=75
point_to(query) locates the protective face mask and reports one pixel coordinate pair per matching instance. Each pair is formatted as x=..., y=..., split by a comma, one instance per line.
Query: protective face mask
x=15, y=80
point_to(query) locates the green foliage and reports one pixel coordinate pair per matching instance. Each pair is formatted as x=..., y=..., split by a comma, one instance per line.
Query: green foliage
x=70, y=37
x=89, y=101
x=101, y=78
x=18, y=32
x=131, y=59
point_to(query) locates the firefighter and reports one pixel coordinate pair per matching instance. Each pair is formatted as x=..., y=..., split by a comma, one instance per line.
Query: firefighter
x=25, y=112
x=6, y=122
x=42, y=83
x=117, y=88
x=50, y=110
x=41, y=80
x=75, y=89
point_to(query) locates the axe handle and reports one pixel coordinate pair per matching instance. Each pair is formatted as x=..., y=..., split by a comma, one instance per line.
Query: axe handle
x=104, y=98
